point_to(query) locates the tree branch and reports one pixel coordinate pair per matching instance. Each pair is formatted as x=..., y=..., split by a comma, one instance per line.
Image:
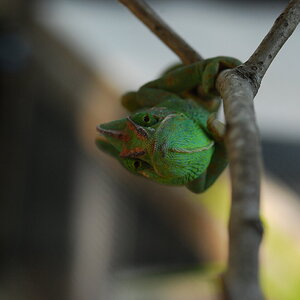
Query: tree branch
x=238, y=88
x=244, y=153
x=256, y=66
x=162, y=30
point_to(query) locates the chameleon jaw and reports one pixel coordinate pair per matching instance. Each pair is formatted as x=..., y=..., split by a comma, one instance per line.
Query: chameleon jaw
x=116, y=134
x=132, y=153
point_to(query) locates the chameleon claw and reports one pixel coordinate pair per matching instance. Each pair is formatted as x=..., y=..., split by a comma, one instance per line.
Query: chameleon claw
x=216, y=128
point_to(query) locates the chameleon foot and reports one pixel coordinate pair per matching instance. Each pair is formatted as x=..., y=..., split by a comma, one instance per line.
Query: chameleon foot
x=216, y=128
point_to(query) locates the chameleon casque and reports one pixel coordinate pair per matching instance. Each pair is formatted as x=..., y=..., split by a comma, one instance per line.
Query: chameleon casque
x=170, y=137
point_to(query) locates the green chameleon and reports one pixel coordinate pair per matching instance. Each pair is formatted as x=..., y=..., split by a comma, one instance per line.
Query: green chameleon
x=170, y=137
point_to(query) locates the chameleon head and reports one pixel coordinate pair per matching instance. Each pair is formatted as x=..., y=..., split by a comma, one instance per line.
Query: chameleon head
x=127, y=137
x=168, y=148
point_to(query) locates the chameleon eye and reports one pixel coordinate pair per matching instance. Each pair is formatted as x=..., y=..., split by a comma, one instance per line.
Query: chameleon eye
x=149, y=120
x=137, y=164
x=144, y=119
x=134, y=165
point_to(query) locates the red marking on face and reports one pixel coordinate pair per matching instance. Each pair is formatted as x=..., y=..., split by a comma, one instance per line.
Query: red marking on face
x=124, y=138
x=153, y=147
x=132, y=153
x=119, y=135
x=141, y=133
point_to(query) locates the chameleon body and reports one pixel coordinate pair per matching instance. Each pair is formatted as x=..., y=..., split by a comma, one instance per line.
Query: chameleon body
x=170, y=137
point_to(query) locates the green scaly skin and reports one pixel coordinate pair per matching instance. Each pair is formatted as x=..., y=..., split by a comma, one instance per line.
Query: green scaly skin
x=171, y=138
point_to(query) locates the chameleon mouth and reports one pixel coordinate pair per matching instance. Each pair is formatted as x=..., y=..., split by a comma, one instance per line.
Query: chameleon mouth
x=112, y=133
x=132, y=153
x=101, y=138
x=108, y=132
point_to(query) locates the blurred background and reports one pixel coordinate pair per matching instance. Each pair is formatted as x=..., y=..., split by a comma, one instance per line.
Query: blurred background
x=74, y=225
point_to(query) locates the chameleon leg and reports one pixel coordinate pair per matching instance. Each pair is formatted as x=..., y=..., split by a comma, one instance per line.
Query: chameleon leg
x=215, y=128
x=219, y=159
x=171, y=68
x=209, y=76
x=129, y=101
x=185, y=78
x=207, y=94
x=197, y=185
x=217, y=165
x=148, y=95
x=211, y=70
x=178, y=80
x=145, y=98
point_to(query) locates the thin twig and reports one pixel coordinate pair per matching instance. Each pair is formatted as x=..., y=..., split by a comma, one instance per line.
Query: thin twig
x=238, y=87
x=162, y=30
x=257, y=65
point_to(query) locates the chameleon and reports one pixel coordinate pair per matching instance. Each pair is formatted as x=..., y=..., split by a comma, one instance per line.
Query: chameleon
x=171, y=136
